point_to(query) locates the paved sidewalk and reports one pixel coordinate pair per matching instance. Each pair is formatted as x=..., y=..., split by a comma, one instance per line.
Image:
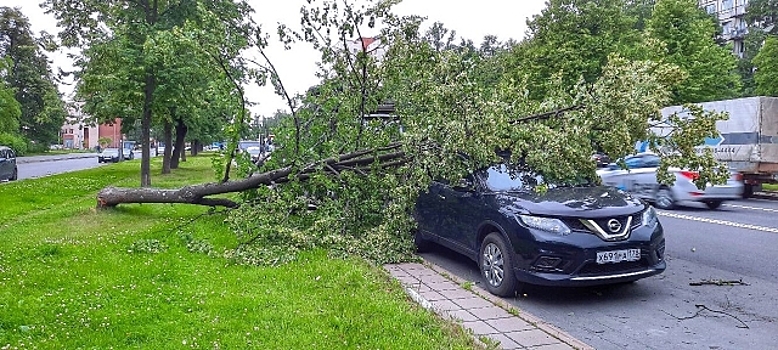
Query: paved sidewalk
x=477, y=310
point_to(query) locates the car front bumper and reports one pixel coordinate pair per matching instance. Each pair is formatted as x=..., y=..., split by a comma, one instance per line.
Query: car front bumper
x=577, y=259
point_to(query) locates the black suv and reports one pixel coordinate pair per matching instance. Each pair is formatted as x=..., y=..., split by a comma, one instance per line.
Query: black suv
x=8, y=169
x=578, y=235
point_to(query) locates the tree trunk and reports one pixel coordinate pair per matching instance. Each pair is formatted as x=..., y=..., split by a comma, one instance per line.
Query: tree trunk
x=360, y=162
x=196, y=147
x=145, y=162
x=178, y=151
x=168, y=140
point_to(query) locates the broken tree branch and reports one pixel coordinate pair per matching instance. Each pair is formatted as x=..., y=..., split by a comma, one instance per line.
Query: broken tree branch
x=359, y=161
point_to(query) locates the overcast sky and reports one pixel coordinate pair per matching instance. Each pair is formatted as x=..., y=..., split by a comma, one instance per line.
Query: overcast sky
x=472, y=19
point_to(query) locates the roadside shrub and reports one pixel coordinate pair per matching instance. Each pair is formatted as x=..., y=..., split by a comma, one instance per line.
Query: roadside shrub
x=15, y=142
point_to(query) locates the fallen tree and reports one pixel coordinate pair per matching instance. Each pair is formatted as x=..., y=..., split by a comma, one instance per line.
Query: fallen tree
x=360, y=162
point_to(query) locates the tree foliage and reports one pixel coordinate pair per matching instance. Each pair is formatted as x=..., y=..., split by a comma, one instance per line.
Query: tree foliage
x=160, y=62
x=42, y=109
x=766, y=75
x=573, y=39
x=763, y=14
x=683, y=35
x=10, y=110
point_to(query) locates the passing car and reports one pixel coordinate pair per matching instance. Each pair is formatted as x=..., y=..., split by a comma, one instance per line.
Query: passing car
x=255, y=152
x=601, y=159
x=108, y=155
x=639, y=178
x=579, y=235
x=8, y=169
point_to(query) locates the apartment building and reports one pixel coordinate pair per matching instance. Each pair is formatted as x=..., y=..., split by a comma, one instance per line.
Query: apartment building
x=731, y=15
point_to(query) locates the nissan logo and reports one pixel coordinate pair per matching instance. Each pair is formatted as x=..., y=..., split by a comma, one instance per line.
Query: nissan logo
x=614, y=225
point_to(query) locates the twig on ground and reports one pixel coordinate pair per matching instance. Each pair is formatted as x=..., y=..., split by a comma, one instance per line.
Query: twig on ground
x=720, y=283
x=701, y=308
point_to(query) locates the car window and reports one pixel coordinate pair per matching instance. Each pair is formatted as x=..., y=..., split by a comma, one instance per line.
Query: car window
x=500, y=178
x=634, y=162
x=3, y=154
x=651, y=162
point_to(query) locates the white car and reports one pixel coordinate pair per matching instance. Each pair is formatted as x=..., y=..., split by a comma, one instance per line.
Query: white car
x=640, y=179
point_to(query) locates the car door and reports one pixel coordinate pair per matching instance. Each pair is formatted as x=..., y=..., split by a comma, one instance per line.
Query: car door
x=6, y=168
x=644, y=183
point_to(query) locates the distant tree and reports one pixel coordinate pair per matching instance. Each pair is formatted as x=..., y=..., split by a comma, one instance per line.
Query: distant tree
x=683, y=35
x=10, y=110
x=42, y=109
x=573, y=39
x=766, y=75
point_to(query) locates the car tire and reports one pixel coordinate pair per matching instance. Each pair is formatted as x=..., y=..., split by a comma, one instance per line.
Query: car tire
x=664, y=199
x=748, y=191
x=495, y=260
x=15, y=175
x=713, y=205
x=422, y=245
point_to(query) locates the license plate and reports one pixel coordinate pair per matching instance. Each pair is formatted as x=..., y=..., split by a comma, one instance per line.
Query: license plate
x=617, y=256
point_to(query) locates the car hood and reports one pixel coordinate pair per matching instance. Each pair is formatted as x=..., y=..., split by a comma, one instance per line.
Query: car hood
x=584, y=202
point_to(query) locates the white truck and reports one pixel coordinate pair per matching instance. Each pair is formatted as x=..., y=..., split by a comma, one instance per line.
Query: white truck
x=748, y=141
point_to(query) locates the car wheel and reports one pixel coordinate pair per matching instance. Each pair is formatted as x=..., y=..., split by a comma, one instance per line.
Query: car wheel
x=15, y=175
x=496, y=263
x=748, y=191
x=712, y=205
x=422, y=245
x=664, y=199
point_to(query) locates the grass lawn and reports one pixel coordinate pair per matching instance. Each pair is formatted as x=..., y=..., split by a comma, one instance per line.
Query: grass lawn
x=770, y=187
x=136, y=277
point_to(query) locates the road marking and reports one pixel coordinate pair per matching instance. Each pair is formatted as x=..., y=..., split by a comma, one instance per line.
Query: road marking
x=751, y=208
x=719, y=222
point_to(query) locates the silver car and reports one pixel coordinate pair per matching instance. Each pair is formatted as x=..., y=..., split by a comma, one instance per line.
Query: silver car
x=640, y=179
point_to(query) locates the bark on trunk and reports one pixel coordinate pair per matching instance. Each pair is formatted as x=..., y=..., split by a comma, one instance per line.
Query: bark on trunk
x=197, y=147
x=168, y=136
x=178, y=151
x=148, y=100
x=360, y=162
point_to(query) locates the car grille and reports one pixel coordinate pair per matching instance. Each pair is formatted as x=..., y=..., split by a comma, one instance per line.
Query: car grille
x=585, y=225
x=593, y=268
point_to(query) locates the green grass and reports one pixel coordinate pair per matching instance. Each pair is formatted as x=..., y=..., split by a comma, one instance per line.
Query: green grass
x=770, y=187
x=135, y=277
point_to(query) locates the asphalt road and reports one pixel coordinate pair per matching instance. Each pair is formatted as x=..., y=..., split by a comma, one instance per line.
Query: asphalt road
x=737, y=242
x=41, y=168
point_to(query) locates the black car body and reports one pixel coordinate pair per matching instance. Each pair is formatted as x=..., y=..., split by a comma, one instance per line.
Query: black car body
x=567, y=236
x=601, y=159
x=8, y=169
x=108, y=155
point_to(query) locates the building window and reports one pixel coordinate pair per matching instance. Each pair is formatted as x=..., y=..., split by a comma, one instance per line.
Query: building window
x=727, y=5
x=710, y=8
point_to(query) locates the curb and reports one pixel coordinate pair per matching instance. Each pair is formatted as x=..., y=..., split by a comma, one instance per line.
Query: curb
x=531, y=319
x=28, y=160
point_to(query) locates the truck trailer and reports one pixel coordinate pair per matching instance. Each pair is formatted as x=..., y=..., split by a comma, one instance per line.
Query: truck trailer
x=747, y=141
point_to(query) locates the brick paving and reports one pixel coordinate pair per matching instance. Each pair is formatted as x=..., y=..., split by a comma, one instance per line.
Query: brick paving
x=479, y=312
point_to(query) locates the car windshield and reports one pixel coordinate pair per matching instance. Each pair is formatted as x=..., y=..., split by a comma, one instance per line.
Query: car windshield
x=111, y=150
x=246, y=144
x=502, y=178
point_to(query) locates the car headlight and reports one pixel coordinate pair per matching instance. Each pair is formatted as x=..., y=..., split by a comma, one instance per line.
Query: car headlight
x=649, y=217
x=545, y=224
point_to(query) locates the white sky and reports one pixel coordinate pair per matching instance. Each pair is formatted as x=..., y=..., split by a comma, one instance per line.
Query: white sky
x=470, y=18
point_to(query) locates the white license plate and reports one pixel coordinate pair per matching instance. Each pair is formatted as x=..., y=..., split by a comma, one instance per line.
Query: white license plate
x=617, y=256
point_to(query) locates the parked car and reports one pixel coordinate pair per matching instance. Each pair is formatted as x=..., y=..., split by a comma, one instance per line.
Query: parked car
x=640, y=179
x=108, y=155
x=601, y=159
x=8, y=169
x=567, y=236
